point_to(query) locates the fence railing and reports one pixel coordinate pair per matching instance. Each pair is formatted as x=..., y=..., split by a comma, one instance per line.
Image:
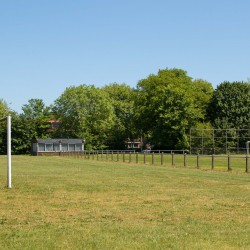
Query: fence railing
x=162, y=158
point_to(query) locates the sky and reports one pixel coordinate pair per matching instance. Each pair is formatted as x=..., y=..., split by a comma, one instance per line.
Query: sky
x=49, y=45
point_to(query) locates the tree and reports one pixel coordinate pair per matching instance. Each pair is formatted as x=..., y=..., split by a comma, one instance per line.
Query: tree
x=122, y=97
x=167, y=105
x=39, y=114
x=203, y=92
x=230, y=109
x=4, y=108
x=85, y=112
x=230, y=106
x=22, y=131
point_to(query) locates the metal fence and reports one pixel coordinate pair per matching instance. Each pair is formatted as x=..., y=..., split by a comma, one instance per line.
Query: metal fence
x=218, y=141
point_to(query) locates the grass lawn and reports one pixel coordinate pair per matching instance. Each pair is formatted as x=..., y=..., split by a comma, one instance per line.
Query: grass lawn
x=67, y=203
x=238, y=163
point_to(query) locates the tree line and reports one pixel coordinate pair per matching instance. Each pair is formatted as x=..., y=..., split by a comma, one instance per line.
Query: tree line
x=162, y=108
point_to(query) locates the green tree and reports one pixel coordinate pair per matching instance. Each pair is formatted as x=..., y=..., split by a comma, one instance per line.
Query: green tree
x=230, y=106
x=85, y=112
x=22, y=131
x=4, y=109
x=167, y=105
x=230, y=109
x=39, y=114
x=122, y=97
x=202, y=92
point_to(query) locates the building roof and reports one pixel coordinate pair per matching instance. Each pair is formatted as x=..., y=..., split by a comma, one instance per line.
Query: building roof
x=57, y=140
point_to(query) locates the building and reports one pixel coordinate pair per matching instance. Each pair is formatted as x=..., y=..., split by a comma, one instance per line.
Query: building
x=135, y=144
x=55, y=146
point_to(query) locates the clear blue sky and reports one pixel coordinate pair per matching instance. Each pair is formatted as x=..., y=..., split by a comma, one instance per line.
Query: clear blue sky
x=48, y=45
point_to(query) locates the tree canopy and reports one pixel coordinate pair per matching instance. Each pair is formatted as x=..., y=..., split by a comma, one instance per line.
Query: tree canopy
x=230, y=106
x=4, y=109
x=162, y=108
x=168, y=104
x=85, y=112
x=38, y=114
x=122, y=98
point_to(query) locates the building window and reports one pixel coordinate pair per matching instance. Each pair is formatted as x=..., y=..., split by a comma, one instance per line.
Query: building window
x=71, y=147
x=64, y=147
x=41, y=147
x=78, y=147
x=49, y=147
x=34, y=147
x=56, y=147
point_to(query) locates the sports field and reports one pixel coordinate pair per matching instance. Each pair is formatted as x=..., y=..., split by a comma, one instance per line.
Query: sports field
x=70, y=203
x=237, y=162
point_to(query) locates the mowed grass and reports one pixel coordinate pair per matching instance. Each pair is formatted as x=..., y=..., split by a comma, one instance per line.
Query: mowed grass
x=68, y=203
x=238, y=163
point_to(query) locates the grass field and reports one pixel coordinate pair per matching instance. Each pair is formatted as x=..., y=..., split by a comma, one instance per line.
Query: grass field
x=67, y=203
x=238, y=164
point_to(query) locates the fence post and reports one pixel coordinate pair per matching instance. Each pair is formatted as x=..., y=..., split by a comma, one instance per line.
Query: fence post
x=172, y=158
x=162, y=158
x=129, y=157
x=123, y=156
x=144, y=158
x=153, y=158
x=112, y=155
x=97, y=155
x=198, y=161
x=212, y=161
x=93, y=156
x=185, y=160
x=247, y=163
x=136, y=157
x=229, y=163
x=85, y=154
x=117, y=155
x=102, y=154
x=78, y=154
x=134, y=152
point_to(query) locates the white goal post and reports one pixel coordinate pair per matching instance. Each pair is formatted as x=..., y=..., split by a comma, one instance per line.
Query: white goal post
x=8, y=119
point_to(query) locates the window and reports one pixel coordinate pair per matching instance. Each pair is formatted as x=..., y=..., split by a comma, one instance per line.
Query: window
x=49, y=147
x=41, y=147
x=71, y=147
x=78, y=147
x=56, y=147
x=64, y=147
x=34, y=147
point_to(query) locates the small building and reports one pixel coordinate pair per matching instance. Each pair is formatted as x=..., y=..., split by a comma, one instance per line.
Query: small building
x=55, y=146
